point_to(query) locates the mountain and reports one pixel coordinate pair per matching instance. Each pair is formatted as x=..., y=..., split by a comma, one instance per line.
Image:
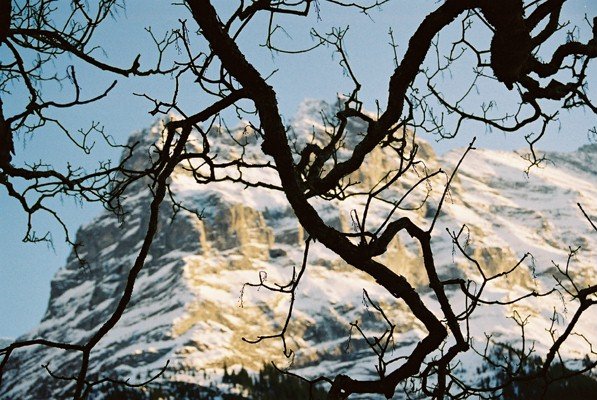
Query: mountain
x=191, y=306
x=5, y=342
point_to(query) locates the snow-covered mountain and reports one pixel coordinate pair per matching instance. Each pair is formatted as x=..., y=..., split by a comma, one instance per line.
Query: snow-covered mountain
x=190, y=305
x=5, y=342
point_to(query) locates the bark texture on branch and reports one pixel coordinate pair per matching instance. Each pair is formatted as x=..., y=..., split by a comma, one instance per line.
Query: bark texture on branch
x=5, y=14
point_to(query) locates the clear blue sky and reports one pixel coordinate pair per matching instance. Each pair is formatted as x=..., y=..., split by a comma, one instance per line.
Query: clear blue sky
x=26, y=269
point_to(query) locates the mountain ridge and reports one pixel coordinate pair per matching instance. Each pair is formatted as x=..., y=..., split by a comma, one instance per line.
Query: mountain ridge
x=190, y=304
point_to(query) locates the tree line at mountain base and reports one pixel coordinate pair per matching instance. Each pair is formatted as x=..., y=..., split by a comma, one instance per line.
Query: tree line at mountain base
x=530, y=384
x=271, y=384
x=268, y=384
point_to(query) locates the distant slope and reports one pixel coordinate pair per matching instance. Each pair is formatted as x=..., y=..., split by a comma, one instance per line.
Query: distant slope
x=190, y=306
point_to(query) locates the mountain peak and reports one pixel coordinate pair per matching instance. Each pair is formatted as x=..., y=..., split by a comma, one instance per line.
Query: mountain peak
x=191, y=306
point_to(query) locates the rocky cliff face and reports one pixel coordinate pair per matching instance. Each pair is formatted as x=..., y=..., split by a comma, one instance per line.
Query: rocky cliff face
x=190, y=305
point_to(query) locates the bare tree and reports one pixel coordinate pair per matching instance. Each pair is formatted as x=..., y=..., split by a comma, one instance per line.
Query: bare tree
x=516, y=55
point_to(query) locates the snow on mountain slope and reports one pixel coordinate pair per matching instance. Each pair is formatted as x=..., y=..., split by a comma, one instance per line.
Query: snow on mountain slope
x=509, y=213
x=190, y=305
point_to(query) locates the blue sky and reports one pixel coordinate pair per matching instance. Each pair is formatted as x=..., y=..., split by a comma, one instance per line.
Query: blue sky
x=26, y=269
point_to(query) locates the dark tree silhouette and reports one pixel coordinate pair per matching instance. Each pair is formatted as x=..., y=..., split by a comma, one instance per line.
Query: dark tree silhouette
x=519, y=55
